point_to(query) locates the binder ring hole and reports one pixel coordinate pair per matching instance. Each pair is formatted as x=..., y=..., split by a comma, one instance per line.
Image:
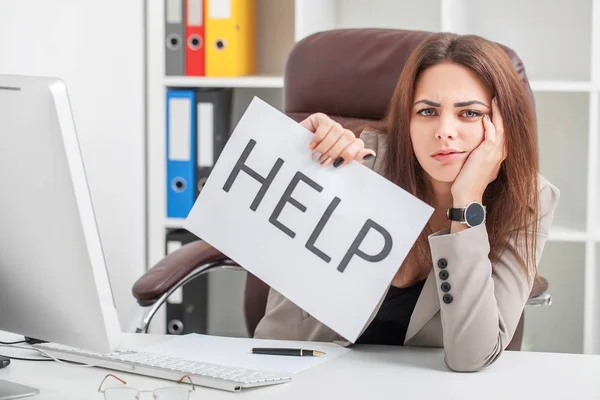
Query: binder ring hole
x=173, y=41
x=178, y=184
x=175, y=327
x=195, y=42
x=220, y=44
x=201, y=183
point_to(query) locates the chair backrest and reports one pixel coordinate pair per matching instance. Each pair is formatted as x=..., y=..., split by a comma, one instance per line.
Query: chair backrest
x=350, y=75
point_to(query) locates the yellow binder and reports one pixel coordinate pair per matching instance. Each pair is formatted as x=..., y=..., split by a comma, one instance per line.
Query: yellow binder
x=230, y=34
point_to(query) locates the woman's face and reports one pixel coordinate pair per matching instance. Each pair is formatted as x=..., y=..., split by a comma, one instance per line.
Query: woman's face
x=446, y=119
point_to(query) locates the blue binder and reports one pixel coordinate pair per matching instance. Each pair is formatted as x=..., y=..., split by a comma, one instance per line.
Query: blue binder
x=181, y=151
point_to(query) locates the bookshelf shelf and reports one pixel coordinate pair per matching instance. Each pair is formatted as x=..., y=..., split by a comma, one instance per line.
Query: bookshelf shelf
x=561, y=234
x=560, y=86
x=560, y=49
x=174, y=223
x=255, y=81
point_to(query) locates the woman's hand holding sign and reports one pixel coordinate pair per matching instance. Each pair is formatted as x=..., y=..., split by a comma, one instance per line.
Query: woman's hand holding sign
x=331, y=143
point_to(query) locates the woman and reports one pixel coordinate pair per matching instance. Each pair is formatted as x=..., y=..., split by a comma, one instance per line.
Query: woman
x=460, y=135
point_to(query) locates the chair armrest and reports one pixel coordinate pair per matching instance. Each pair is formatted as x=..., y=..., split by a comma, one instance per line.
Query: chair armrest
x=174, y=267
x=539, y=293
x=544, y=299
x=540, y=286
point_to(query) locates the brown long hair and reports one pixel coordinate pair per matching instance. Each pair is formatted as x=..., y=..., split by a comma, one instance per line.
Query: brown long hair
x=512, y=198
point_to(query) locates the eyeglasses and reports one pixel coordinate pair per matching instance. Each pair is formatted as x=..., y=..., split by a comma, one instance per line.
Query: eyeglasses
x=129, y=393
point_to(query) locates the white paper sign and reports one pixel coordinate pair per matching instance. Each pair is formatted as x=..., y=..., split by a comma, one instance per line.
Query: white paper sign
x=329, y=239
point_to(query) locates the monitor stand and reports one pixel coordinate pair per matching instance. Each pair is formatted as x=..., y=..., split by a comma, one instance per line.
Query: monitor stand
x=11, y=390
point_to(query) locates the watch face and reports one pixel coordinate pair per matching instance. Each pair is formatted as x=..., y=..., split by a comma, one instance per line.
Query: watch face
x=475, y=214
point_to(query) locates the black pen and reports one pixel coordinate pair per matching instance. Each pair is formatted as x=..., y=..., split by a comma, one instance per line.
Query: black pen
x=286, y=352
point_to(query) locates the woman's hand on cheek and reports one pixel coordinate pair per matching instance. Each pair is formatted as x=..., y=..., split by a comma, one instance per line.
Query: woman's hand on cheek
x=483, y=164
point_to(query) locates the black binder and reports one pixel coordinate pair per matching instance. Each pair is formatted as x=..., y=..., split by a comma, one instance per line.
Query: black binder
x=213, y=128
x=190, y=315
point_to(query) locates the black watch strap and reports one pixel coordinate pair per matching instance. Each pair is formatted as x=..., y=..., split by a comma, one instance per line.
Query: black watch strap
x=455, y=214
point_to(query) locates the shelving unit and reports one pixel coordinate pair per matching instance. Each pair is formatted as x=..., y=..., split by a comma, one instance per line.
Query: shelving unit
x=561, y=52
x=241, y=82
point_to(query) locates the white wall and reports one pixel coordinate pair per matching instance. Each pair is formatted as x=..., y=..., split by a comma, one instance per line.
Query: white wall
x=97, y=48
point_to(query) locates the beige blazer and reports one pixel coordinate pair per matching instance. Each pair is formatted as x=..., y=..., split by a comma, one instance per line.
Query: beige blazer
x=476, y=326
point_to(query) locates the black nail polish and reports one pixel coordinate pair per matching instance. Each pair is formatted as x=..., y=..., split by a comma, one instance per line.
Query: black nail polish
x=338, y=162
x=368, y=157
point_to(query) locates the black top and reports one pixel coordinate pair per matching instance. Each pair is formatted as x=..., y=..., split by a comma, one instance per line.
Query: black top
x=391, y=322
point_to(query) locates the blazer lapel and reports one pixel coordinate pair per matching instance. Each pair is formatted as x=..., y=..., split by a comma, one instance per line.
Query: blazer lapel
x=427, y=306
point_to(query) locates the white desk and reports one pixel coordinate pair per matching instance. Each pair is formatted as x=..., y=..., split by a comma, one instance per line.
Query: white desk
x=368, y=372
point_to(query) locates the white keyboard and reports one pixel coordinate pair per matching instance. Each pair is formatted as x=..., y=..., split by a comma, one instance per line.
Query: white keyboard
x=170, y=368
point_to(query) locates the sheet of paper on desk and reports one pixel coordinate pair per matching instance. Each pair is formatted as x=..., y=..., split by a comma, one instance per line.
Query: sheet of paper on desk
x=235, y=352
x=329, y=239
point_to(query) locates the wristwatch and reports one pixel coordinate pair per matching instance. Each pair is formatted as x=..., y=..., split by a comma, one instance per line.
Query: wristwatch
x=471, y=215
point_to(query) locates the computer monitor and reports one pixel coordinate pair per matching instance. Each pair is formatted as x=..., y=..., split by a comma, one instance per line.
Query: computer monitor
x=54, y=285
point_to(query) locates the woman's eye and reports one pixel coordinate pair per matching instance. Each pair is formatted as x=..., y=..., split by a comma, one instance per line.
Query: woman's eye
x=426, y=112
x=471, y=114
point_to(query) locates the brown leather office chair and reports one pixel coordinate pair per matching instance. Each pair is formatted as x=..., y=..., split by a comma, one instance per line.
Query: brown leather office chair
x=350, y=75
